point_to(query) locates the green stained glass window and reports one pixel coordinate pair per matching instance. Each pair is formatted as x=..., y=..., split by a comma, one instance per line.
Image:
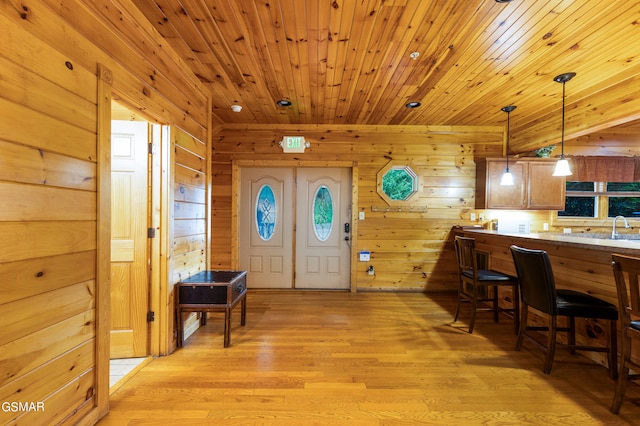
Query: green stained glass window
x=399, y=183
x=322, y=213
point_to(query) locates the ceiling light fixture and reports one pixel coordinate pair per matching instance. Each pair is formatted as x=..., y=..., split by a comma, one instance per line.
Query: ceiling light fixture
x=414, y=55
x=236, y=108
x=283, y=102
x=413, y=104
x=507, y=177
x=504, y=1
x=562, y=166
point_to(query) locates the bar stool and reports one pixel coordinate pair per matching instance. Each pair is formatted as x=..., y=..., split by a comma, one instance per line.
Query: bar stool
x=538, y=290
x=629, y=306
x=472, y=279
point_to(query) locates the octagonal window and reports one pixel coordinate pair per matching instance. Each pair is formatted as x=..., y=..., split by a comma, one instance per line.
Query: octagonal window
x=399, y=183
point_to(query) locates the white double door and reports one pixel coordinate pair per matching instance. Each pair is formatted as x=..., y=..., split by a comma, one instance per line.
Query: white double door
x=292, y=227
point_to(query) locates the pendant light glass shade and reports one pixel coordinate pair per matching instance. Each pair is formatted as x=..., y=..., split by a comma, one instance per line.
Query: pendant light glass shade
x=507, y=177
x=562, y=166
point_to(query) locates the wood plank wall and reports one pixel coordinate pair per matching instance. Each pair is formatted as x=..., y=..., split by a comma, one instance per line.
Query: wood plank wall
x=408, y=249
x=190, y=192
x=52, y=346
x=48, y=188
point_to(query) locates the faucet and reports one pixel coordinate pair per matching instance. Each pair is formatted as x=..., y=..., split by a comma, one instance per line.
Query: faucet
x=614, y=234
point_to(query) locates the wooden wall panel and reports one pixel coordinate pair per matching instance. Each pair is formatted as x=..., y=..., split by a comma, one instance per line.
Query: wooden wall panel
x=31, y=277
x=37, y=384
x=32, y=165
x=53, y=217
x=190, y=214
x=409, y=248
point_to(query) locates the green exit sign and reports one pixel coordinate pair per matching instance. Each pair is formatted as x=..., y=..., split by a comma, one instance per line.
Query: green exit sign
x=294, y=144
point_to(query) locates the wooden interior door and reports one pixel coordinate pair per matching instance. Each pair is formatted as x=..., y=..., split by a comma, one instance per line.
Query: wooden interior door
x=323, y=220
x=129, y=256
x=266, y=227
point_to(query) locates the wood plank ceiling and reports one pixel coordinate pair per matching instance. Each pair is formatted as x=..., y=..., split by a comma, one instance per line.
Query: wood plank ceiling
x=349, y=61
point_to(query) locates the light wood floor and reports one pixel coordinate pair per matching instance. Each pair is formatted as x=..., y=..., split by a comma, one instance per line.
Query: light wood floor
x=333, y=358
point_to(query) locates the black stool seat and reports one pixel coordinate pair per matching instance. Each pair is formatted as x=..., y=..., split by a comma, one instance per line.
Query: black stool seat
x=574, y=303
x=488, y=275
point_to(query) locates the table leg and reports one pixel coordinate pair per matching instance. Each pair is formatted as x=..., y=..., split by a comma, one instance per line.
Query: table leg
x=243, y=314
x=180, y=341
x=227, y=327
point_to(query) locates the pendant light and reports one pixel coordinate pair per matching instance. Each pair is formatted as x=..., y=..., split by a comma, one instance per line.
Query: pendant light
x=562, y=166
x=507, y=177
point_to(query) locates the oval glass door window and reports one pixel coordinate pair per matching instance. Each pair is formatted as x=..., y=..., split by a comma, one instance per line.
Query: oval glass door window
x=266, y=212
x=322, y=213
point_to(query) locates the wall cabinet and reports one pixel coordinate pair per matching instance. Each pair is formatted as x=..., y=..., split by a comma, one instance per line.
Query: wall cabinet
x=534, y=188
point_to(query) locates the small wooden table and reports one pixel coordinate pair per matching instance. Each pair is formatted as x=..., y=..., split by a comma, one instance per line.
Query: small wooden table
x=212, y=291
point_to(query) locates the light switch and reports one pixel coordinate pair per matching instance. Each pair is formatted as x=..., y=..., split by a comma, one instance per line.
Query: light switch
x=361, y=216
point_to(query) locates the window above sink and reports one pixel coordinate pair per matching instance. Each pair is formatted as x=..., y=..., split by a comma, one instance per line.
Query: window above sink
x=601, y=200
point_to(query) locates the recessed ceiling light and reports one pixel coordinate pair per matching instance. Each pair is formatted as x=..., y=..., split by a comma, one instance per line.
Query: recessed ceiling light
x=284, y=103
x=504, y=1
x=413, y=104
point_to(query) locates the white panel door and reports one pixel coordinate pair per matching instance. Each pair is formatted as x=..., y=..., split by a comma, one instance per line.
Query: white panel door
x=323, y=209
x=129, y=258
x=266, y=227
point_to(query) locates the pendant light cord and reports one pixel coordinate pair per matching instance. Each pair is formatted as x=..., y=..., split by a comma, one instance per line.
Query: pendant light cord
x=508, y=136
x=562, y=139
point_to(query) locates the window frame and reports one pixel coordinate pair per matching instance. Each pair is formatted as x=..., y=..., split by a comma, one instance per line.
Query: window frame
x=602, y=207
x=396, y=165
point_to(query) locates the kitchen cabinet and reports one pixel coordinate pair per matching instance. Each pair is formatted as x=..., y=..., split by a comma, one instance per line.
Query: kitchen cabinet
x=534, y=188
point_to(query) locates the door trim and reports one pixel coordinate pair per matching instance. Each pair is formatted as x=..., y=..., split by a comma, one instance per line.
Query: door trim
x=236, y=165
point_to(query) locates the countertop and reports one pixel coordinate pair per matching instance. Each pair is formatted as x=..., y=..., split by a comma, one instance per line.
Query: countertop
x=618, y=245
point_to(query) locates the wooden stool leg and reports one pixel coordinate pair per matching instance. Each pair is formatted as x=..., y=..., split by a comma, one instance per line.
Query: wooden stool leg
x=623, y=376
x=612, y=344
x=474, y=304
x=551, y=345
x=572, y=335
x=495, y=303
x=516, y=309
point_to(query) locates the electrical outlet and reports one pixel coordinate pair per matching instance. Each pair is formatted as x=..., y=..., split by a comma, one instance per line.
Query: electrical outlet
x=371, y=271
x=481, y=217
